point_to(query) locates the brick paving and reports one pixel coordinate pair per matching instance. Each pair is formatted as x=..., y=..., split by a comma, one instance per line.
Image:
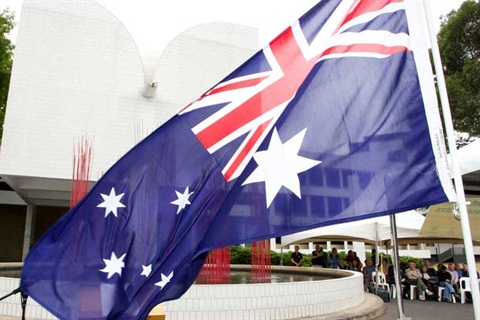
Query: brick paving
x=426, y=310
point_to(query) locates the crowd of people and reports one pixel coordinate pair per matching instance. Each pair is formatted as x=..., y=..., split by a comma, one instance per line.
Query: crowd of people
x=322, y=259
x=427, y=280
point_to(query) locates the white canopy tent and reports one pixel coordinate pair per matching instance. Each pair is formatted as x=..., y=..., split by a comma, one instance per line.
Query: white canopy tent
x=469, y=157
x=409, y=224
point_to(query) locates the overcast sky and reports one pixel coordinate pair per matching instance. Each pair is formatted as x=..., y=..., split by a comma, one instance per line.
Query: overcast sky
x=149, y=21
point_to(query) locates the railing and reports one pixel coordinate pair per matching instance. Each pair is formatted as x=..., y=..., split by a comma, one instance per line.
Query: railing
x=445, y=255
x=11, y=269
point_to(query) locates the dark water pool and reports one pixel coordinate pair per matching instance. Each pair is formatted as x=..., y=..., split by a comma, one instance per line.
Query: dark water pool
x=243, y=277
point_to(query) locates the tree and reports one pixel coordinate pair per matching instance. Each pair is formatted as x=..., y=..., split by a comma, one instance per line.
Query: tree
x=6, y=53
x=459, y=43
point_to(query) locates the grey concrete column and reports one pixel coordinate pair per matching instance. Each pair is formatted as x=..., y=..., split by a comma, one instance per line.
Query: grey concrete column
x=29, y=229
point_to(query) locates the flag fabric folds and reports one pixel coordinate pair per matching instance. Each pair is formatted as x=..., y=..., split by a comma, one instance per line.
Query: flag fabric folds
x=334, y=121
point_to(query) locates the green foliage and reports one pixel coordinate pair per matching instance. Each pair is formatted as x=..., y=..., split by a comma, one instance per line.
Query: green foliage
x=6, y=53
x=243, y=255
x=404, y=262
x=240, y=255
x=459, y=43
x=277, y=257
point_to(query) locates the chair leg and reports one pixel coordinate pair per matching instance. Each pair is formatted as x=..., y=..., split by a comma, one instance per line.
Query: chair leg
x=412, y=292
x=440, y=293
x=393, y=289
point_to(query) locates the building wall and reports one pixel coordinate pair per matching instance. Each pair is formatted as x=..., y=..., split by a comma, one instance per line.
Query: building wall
x=77, y=72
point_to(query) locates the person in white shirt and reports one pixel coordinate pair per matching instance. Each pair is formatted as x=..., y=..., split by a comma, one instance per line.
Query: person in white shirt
x=454, y=273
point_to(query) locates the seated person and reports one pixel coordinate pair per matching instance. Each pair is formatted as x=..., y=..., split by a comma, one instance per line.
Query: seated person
x=425, y=276
x=430, y=282
x=444, y=280
x=367, y=273
x=391, y=275
x=459, y=270
x=342, y=265
x=439, y=268
x=455, y=278
x=356, y=266
x=384, y=266
x=350, y=257
x=358, y=260
x=431, y=272
x=405, y=285
x=466, y=274
x=333, y=259
x=414, y=277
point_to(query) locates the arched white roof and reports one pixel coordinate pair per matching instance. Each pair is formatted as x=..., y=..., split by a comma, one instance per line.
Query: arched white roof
x=469, y=157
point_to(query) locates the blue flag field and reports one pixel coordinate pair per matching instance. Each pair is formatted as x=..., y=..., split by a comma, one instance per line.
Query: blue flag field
x=335, y=120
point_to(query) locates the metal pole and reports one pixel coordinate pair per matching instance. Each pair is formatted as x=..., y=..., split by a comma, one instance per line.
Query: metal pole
x=461, y=202
x=396, y=267
x=10, y=294
x=29, y=229
x=23, y=301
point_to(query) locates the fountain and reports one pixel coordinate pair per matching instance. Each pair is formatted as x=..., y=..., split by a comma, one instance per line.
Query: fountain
x=319, y=292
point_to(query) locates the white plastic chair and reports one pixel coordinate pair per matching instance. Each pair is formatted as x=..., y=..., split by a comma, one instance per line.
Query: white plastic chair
x=465, y=287
x=382, y=281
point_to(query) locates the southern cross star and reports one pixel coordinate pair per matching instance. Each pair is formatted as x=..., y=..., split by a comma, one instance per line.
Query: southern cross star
x=111, y=202
x=146, y=270
x=114, y=265
x=182, y=199
x=165, y=280
x=280, y=165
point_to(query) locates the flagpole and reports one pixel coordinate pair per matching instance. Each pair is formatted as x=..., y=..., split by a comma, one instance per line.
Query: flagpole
x=396, y=267
x=461, y=202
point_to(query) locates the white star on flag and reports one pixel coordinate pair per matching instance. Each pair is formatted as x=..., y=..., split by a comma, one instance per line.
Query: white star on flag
x=111, y=202
x=165, y=280
x=182, y=199
x=280, y=165
x=114, y=265
x=146, y=270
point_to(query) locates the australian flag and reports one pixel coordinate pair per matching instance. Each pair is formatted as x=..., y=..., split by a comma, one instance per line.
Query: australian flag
x=335, y=120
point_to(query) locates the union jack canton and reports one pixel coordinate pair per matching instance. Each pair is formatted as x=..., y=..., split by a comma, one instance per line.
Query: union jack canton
x=256, y=94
